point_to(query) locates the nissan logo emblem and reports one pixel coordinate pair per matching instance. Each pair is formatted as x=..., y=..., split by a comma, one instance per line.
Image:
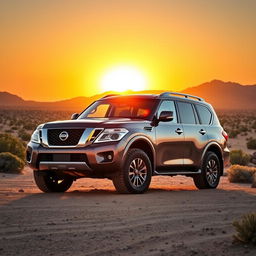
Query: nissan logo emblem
x=63, y=136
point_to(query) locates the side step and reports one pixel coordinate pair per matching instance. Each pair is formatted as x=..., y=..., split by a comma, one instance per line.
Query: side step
x=177, y=173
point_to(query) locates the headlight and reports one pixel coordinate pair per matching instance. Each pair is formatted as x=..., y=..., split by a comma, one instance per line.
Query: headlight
x=114, y=134
x=35, y=137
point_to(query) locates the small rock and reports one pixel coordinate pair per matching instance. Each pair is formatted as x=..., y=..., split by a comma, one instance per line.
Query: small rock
x=51, y=224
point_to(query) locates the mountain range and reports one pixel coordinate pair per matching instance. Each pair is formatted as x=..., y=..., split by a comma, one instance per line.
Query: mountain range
x=222, y=95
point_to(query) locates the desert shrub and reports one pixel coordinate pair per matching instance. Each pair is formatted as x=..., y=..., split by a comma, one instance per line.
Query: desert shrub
x=246, y=229
x=239, y=157
x=254, y=125
x=9, y=143
x=24, y=135
x=233, y=133
x=251, y=143
x=10, y=163
x=29, y=126
x=243, y=174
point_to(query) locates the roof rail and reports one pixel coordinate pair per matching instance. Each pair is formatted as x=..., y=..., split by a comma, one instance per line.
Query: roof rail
x=166, y=94
x=110, y=95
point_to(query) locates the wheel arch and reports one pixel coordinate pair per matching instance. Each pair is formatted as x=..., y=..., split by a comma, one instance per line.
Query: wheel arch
x=144, y=144
x=215, y=148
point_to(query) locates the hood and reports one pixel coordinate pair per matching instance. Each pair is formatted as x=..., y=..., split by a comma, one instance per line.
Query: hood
x=94, y=123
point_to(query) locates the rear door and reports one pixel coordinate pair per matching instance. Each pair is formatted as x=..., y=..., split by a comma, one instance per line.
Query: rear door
x=195, y=135
x=169, y=140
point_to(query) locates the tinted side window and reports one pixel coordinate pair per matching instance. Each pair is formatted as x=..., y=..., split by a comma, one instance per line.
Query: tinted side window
x=168, y=105
x=204, y=114
x=186, y=113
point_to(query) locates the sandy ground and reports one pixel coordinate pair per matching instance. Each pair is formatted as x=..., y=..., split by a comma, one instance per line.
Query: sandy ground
x=172, y=218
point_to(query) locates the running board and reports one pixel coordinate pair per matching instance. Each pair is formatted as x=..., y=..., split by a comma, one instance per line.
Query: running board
x=177, y=173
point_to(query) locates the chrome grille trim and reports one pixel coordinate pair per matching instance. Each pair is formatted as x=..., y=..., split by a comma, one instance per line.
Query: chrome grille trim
x=82, y=142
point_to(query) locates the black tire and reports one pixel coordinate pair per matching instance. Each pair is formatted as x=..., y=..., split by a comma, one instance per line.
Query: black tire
x=132, y=179
x=211, y=172
x=49, y=182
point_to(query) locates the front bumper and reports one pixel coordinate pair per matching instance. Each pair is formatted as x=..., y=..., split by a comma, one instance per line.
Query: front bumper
x=96, y=160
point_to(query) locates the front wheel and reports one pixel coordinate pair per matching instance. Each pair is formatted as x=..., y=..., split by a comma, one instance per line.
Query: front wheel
x=135, y=175
x=50, y=182
x=211, y=172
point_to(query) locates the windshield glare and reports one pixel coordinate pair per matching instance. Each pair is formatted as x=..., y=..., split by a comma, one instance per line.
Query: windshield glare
x=120, y=108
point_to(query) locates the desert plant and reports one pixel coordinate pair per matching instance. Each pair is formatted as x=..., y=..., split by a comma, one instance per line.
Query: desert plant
x=242, y=174
x=24, y=135
x=9, y=143
x=10, y=163
x=239, y=157
x=233, y=133
x=251, y=143
x=246, y=229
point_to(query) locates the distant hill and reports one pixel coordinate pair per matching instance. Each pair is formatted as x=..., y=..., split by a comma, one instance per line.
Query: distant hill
x=222, y=95
x=226, y=95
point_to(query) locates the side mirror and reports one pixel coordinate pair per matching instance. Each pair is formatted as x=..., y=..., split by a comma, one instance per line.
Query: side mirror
x=165, y=116
x=74, y=116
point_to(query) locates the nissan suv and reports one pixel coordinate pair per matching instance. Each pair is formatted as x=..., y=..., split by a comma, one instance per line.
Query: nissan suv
x=128, y=139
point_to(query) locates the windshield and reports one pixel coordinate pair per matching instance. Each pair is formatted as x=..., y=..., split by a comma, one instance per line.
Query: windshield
x=120, y=107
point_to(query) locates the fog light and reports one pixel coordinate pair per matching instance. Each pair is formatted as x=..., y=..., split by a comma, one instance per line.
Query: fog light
x=105, y=157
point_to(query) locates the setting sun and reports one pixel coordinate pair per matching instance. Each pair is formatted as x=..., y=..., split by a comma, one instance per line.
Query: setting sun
x=123, y=78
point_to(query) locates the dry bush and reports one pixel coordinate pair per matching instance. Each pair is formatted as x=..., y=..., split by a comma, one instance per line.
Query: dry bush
x=246, y=229
x=251, y=144
x=9, y=143
x=241, y=174
x=10, y=163
x=239, y=157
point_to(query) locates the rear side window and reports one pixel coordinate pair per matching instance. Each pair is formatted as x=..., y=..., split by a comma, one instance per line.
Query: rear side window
x=204, y=114
x=186, y=113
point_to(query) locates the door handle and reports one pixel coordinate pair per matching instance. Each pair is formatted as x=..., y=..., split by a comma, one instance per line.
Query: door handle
x=202, y=131
x=179, y=131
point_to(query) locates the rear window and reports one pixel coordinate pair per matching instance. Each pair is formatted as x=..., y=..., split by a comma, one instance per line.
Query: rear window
x=186, y=113
x=204, y=113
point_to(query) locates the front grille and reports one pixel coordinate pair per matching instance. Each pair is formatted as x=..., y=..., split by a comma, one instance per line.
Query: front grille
x=59, y=157
x=74, y=136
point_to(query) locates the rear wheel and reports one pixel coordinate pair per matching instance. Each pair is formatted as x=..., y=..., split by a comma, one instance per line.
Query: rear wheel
x=50, y=182
x=135, y=176
x=210, y=175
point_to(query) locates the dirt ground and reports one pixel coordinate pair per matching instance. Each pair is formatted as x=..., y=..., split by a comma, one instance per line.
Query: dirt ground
x=172, y=218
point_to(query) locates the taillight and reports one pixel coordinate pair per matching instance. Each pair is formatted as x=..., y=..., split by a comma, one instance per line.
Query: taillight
x=225, y=135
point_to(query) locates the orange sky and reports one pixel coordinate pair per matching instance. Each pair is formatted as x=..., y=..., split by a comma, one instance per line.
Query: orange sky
x=52, y=49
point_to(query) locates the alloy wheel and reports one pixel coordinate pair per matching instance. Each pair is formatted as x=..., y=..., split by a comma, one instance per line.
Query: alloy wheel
x=137, y=172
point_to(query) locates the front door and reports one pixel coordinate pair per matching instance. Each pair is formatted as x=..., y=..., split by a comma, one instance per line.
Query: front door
x=169, y=141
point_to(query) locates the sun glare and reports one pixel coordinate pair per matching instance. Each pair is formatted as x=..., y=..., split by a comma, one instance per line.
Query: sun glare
x=122, y=79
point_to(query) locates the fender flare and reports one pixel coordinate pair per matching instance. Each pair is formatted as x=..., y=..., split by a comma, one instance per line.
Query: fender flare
x=212, y=143
x=147, y=140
